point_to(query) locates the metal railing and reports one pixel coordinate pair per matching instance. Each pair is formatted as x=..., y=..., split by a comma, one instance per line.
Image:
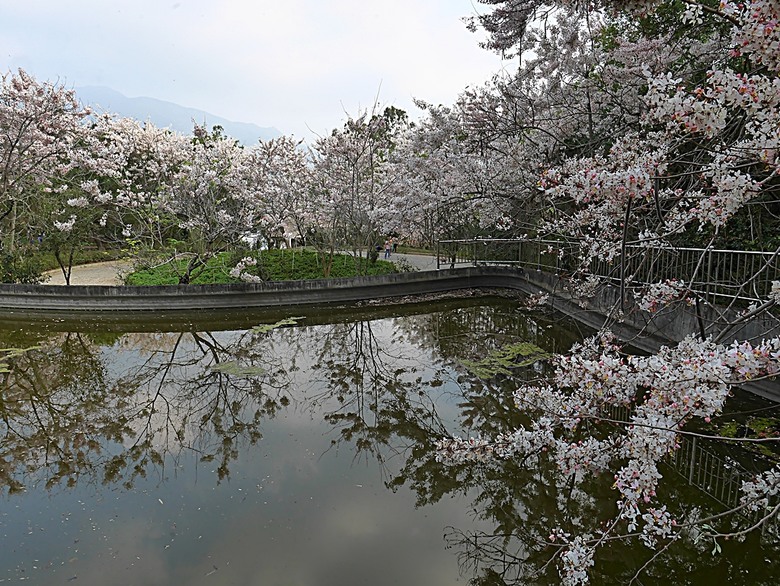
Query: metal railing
x=715, y=275
x=705, y=466
x=720, y=477
x=715, y=475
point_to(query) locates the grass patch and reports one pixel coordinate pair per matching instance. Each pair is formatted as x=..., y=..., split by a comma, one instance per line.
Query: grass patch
x=215, y=272
x=272, y=265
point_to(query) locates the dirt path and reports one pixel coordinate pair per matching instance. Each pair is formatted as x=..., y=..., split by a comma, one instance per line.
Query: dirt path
x=99, y=273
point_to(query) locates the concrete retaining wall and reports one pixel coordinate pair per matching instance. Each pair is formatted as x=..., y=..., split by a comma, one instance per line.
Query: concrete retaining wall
x=635, y=327
x=94, y=298
x=667, y=325
x=648, y=332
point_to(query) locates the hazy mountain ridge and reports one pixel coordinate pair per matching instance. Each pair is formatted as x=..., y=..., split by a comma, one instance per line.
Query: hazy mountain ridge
x=170, y=115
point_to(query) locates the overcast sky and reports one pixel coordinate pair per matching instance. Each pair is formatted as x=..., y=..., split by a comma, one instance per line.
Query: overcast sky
x=298, y=65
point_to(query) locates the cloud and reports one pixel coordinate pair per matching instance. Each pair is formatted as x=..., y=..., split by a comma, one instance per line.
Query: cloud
x=287, y=64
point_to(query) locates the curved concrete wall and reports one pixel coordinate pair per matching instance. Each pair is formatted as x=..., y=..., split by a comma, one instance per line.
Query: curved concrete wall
x=636, y=327
x=94, y=298
x=669, y=325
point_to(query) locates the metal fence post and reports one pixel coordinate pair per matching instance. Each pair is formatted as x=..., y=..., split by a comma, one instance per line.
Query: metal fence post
x=693, y=461
x=519, y=253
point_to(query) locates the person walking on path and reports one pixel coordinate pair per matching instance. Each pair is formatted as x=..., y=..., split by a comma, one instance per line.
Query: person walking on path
x=387, y=249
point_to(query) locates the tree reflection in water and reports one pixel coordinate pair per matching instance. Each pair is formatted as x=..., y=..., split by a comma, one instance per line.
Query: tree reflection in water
x=76, y=410
x=110, y=409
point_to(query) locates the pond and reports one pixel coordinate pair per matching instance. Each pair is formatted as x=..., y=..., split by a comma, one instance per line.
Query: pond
x=254, y=449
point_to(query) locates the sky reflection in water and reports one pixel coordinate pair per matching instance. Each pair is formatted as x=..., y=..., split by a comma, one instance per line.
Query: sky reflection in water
x=300, y=506
x=297, y=456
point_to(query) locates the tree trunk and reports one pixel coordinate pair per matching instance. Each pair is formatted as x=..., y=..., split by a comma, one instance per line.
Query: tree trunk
x=12, y=237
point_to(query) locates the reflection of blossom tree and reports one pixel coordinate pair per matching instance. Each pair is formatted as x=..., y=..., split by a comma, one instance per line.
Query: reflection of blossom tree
x=468, y=332
x=67, y=417
x=362, y=370
x=520, y=497
x=59, y=409
x=207, y=393
x=387, y=406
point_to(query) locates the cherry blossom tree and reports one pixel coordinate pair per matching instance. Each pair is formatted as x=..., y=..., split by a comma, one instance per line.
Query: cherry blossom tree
x=39, y=123
x=430, y=163
x=69, y=222
x=351, y=182
x=577, y=83
x=107, y=191
x=128, y=167
x=280, y=179
x=697, y=145
x=210, y=200
x=454, y=179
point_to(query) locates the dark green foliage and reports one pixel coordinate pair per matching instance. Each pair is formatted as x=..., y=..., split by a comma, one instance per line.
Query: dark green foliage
x=216, y=271
x=20, y=268
x=754, y=227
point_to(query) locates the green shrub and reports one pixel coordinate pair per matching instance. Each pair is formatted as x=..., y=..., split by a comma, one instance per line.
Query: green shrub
x=20, y=268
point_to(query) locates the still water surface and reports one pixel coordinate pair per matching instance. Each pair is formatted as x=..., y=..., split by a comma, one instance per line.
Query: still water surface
x=216, y=452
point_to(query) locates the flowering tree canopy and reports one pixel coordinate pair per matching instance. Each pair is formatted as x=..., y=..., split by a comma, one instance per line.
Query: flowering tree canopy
x=653, y=123
x=352, y=178
x=39, y=124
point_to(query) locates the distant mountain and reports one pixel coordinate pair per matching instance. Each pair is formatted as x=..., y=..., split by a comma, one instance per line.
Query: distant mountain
x=169, y=115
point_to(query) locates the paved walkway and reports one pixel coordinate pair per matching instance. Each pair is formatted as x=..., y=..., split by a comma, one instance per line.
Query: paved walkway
x=110, y=272
x=418, y=261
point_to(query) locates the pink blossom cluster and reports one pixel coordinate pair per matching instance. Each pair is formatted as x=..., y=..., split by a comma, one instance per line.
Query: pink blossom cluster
x=762, y=491
x=658, y=525
x=576, y=559
x=601, y=187
x=664, y=391
x=536, y=300
x=67, y=225
x=239, y=272
x=659, y=295
x=759, y=33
